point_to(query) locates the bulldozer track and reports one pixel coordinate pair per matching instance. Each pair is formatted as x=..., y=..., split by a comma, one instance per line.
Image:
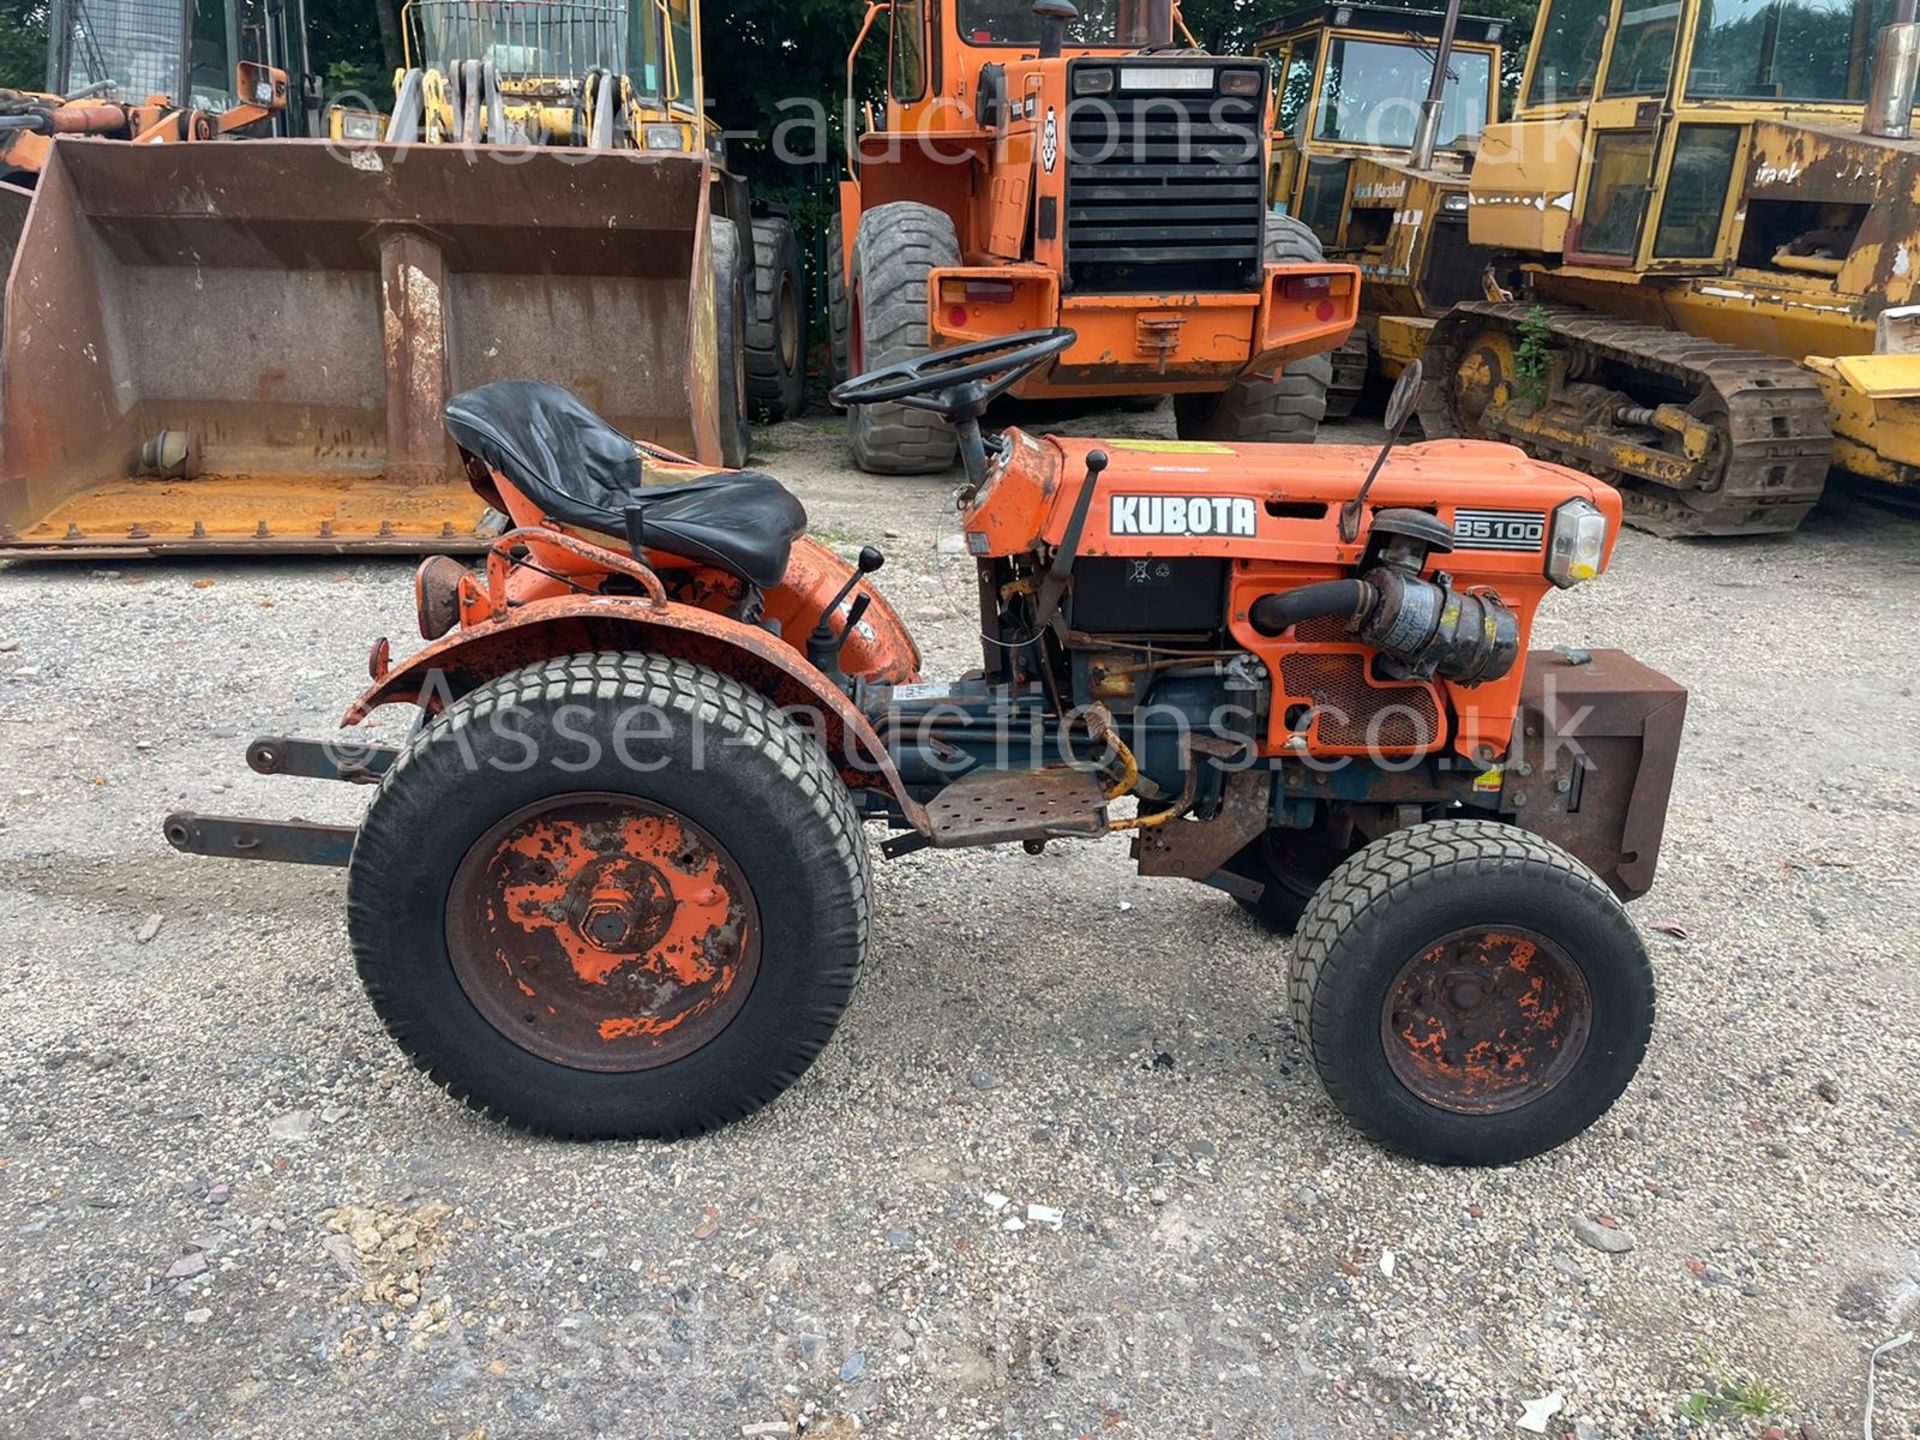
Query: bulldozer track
x=1775, y=437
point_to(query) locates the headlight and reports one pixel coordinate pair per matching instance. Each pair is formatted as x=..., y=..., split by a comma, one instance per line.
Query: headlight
x=359, y=125
x=664, y=137
x=1577, y=545
x=1455, y=204
x=1240, y=82
x=1093, y=82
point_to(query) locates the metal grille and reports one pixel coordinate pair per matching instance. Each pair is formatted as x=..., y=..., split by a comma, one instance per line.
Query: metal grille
x=1454, y=266
x=1352, y=713
x=1163, y=192
x=522, y=39
x=134, y=44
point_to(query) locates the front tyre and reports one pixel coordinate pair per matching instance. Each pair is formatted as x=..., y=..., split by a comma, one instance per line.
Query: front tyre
x=1469, y=993
x=896, y=249
x=610, y=895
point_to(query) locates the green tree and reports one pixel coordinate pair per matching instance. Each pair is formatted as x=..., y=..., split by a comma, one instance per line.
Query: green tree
x=23, y=44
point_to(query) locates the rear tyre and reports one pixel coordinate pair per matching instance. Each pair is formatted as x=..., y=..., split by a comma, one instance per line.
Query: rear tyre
x=730, y=341
x=776, y=324
x=651, y=942
x=898, y=245
x=839, y=305
x=1469, y=993
x=1283, y=411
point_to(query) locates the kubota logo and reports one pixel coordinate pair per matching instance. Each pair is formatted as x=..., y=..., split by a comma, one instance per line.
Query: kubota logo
x=1181, y=515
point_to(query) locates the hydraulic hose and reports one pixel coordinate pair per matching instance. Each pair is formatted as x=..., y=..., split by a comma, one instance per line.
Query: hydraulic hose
x=1275, y=614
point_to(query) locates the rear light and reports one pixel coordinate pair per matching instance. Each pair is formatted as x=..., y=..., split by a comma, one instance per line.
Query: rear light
x=1315, y=287
x=1240, y=82
x=1577, y=544
x=975, y=292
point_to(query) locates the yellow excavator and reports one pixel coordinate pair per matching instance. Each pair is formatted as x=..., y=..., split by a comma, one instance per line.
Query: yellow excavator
x=1713, y=211
x=246, y=347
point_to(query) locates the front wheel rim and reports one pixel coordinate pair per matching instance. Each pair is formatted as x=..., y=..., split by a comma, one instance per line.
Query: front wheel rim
x=603, y=932
x=1486, y=1019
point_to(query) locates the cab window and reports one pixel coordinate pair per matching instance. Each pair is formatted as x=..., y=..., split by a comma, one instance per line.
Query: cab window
x=1296, y=86
x=1642, y=56
x=1568, y=57
x=907, y=39
x=1373, y=92
x=1810, y=50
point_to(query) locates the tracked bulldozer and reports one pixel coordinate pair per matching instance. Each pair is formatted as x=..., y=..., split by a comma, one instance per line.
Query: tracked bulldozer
x=1715, y=211
x=247, y=347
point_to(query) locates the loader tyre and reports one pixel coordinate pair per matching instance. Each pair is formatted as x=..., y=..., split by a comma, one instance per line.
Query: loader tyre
x=1469, y=993
x=610, y=895
x=839, y=306
x=777, y=323
x=896, y=247
x=730, y=340
x=1284, y=411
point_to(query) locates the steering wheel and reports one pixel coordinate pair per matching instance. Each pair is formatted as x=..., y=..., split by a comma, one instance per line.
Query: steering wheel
x=958, y=384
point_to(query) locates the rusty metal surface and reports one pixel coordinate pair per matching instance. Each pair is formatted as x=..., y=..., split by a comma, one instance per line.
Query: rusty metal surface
x=290, y=305
x=603, y=932
x=1485, y=1020
x=574, y=624
x=1773, y=439
x=1196, y=849
x=1593, y=761
x=985, y=807
x=288, y=842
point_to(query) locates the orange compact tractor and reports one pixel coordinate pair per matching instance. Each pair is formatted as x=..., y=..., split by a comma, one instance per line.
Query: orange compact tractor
x=615, y=881
x=1039, y=168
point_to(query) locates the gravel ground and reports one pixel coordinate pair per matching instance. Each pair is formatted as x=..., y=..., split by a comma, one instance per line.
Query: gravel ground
x=231, y=1209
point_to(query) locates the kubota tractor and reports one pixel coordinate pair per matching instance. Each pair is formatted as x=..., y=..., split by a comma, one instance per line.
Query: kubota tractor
x=1038, y=168
x=615, y=882
x=1379, y=110
x=1715, y=204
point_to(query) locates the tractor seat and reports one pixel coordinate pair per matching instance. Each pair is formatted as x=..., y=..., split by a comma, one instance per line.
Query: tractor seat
x=582, y=471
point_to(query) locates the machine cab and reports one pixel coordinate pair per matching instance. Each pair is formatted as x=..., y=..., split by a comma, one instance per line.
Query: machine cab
x=1352, y=81
x=1637, y=126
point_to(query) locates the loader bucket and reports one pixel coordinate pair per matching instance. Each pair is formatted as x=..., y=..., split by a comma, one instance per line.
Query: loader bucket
x=14, y=200
x=246, y=347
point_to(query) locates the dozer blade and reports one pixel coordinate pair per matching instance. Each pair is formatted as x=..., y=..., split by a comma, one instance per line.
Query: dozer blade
x=247, y=346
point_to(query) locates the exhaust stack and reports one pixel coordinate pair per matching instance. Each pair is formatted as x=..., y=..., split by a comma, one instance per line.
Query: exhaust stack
x=1426, y=135
x=1896, y=70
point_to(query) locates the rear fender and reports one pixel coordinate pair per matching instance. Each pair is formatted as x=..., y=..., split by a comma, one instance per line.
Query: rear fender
x=577, y=624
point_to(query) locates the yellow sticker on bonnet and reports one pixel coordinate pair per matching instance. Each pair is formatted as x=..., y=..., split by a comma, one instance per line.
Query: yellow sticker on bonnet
x=1170, y=447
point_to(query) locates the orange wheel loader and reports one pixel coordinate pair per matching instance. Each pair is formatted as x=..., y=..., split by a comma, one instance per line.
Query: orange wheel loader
x=1041, y=168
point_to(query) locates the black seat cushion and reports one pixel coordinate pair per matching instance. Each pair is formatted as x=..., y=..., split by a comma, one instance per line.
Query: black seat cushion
x=582, y=471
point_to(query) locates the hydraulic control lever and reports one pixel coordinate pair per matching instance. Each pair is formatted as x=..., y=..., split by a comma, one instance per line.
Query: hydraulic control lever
x=823, y=646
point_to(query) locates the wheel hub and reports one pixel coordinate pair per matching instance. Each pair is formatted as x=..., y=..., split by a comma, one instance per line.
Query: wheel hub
x=1486, y=1019
x=603, y=932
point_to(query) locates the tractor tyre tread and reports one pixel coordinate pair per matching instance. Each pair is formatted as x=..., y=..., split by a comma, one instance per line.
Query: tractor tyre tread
x=775, y=391
x=839, y=307
x=1340, y=934
x=801, y=800
x=896, y=247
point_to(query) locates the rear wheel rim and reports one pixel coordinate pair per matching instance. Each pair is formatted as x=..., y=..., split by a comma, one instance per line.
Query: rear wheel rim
x=1486, y=1019
x=603, y=932
x=787, y=312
